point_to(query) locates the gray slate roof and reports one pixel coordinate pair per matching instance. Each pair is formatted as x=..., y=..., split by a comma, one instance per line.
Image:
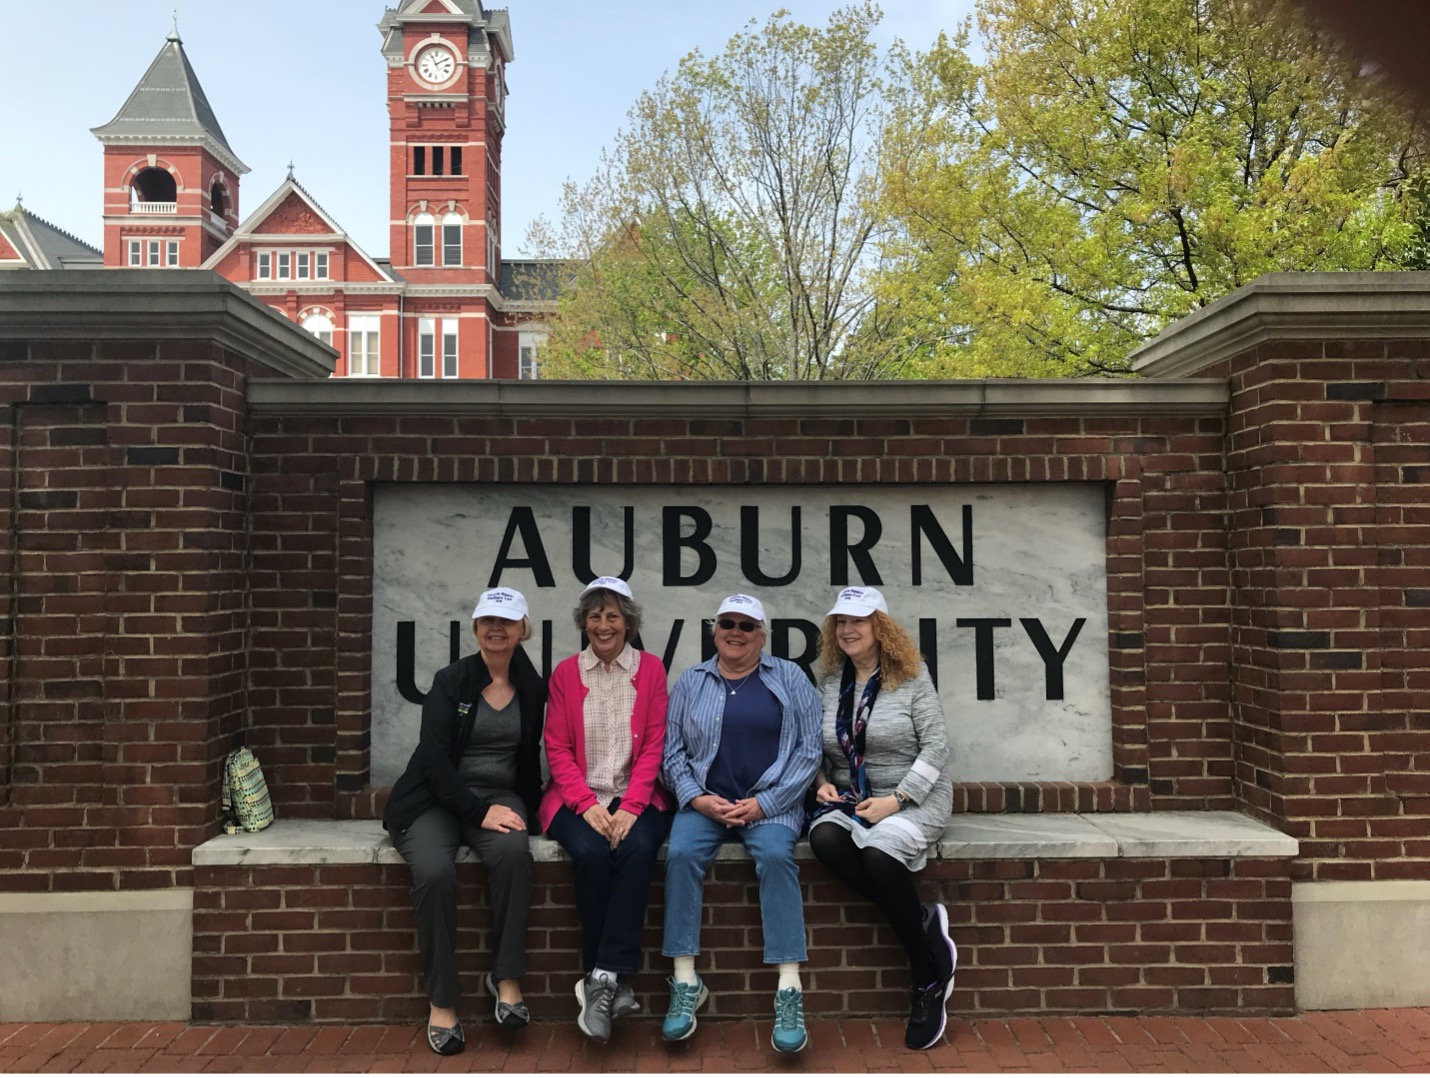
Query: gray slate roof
x=167, y=102
x=536, y=280
x=42, y=245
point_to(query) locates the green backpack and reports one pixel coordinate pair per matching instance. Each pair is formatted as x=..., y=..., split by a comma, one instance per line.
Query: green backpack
x=246, y=804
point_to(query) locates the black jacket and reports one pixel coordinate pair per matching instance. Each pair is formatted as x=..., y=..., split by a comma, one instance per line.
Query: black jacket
x=448, y=715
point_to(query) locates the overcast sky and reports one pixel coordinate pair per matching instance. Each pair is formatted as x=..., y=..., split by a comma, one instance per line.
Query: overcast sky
x=303, y=80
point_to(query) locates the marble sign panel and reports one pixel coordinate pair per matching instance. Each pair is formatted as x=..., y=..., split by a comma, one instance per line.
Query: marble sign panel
x=1003, y=586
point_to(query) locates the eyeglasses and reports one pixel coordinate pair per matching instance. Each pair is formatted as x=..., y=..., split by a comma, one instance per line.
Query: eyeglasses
x=730, y=623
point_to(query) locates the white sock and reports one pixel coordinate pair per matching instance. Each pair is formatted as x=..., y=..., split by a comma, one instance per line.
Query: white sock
x=603, y=974
x=789, y=976
x=685, y=968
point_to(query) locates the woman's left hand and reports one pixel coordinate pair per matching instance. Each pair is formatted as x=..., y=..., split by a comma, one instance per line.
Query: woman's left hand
x=621, y=824
x=875, y=809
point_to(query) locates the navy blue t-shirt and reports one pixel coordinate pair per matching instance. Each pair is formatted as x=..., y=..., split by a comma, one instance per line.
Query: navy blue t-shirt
x=749, y=740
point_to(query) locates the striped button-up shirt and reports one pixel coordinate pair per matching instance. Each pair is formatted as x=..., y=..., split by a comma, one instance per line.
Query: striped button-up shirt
x=692, y=737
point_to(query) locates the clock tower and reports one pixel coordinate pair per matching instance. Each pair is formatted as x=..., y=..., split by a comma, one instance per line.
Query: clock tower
x=446, y=62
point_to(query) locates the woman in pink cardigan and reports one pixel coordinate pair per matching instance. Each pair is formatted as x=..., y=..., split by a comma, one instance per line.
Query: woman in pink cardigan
x=605, y=732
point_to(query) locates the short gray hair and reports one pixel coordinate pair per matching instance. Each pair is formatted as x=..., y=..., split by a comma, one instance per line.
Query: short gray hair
x=599, y=599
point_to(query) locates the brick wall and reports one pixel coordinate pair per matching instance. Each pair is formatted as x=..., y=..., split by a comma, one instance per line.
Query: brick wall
x=126, y=642
x=334, y=943
x=1329, y=466
x=1167, y=569
x=186, y=563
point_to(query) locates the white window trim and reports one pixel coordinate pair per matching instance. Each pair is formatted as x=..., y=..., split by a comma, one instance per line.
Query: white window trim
x=426, y=348
x=269, y=261
x=450, y=349
x=369, y=326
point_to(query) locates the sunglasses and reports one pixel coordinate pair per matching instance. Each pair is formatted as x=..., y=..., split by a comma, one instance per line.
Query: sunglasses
x=730, y=623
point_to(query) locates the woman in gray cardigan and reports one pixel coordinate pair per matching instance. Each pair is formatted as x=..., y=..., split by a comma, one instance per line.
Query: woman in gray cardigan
x=883, y=793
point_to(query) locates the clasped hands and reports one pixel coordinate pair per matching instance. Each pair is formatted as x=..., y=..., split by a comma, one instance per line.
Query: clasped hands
x=739, y=813
x=612, y=826
x=872, y=809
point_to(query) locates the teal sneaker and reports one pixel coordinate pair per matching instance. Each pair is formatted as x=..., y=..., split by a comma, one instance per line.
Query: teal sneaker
x=789, y=1034
x=685, y=1000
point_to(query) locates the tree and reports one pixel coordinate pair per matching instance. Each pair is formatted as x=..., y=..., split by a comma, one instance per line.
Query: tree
x=729, y=232
x=1115, y=164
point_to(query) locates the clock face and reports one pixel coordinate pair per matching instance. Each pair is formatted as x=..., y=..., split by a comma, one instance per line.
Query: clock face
x=435, y=64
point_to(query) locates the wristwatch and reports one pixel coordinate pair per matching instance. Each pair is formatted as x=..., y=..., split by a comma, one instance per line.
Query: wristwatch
x=903, y=799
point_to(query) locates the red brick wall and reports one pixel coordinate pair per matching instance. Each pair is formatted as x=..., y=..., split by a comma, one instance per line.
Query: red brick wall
x=335, y=943
x=123, y=524
x=1167, y=572
x=182, y=572
x=1329, y=467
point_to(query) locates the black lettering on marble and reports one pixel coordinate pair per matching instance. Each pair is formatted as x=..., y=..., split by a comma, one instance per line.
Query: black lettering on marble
x=928, y=646
x=672, y=543
x=407, y=663
x=923, y=524
x=841, y=550
x=523, y=520
x=1052, y=656
x=750, y=548
x=581, y=544
x=780, y=643
x=983, y=650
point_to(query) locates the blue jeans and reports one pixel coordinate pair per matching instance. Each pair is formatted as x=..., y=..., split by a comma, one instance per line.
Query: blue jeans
x=611, y=885
x=694, y=841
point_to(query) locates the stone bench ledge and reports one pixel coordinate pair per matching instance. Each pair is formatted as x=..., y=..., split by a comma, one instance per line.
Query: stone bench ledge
x=971, y=837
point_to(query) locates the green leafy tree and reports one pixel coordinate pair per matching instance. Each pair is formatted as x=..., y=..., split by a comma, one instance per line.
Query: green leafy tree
x=1112, y=165
x=730, y=231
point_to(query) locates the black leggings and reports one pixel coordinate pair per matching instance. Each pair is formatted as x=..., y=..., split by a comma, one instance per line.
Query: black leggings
x=884, y=881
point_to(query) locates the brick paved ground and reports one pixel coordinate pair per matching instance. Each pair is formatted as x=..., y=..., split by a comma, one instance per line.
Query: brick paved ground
x=1379, y=1040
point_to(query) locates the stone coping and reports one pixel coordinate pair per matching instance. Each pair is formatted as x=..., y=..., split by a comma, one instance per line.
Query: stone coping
x=1370, y=306
x=984, y=398
x=154, y=305
x=972, y=837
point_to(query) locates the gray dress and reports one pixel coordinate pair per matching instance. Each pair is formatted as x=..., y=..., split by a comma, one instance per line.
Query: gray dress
x=905, y=747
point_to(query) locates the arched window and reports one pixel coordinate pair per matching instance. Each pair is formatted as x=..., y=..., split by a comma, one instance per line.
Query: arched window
x=423, y=249
x=217, y=202
x=452, y=239
x=320, y=326
x=151, y=186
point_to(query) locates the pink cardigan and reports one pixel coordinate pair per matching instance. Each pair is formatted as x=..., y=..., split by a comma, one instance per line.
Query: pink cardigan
x=565, y=738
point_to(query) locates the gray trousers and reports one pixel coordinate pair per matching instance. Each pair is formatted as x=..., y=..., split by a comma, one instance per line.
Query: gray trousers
x=429, y=847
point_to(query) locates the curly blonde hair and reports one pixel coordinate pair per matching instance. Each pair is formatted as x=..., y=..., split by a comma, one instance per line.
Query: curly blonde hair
x=899, y=656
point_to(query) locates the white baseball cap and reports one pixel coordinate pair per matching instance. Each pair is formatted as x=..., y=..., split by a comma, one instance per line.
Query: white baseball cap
x=859, y=602
x=610, y=583
x=743, y=604
x=501, y=603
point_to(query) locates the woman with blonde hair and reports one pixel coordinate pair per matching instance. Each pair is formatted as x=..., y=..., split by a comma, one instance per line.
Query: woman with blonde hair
x=883, y=793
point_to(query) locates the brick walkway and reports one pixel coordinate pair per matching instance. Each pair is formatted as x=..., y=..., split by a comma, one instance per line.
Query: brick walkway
x=1380, y=1040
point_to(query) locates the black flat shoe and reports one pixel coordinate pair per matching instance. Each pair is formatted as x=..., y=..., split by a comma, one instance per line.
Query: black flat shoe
x=446, y=1042
x=508, y=1015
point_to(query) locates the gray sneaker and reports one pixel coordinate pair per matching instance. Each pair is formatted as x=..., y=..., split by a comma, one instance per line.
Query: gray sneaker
x=625, y=1002
x=596, y=995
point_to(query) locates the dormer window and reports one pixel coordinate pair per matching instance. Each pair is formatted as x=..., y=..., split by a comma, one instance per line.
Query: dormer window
x=153, y=190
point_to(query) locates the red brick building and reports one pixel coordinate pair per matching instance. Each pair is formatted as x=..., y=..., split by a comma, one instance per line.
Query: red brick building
x=442, y=305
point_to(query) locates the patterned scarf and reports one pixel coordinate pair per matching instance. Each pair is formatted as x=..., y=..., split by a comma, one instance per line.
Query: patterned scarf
x=850, y=723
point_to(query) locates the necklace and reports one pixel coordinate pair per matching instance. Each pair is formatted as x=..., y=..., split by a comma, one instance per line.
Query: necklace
x=739, y=684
